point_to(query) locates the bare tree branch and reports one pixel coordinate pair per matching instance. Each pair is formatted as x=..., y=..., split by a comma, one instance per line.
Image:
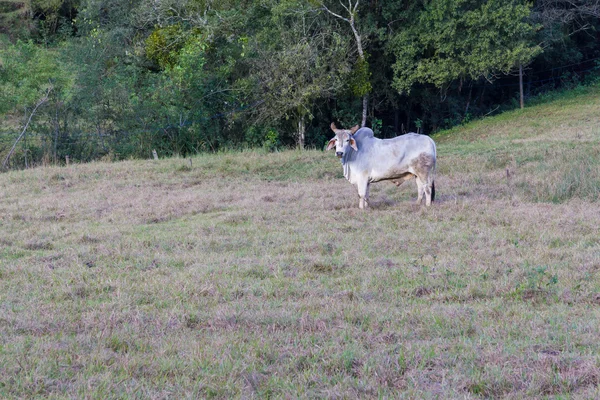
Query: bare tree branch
x=346, y=8
x=12, y=150
x=566, y=11
x=334, y=14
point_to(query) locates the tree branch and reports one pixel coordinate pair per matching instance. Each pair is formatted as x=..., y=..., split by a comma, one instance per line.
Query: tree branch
x=12, y=150
x=346, y=8
x=334, y=14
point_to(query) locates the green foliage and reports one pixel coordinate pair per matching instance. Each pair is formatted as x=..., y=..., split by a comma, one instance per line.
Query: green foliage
x=163, y=45
x=359, y=80
x=54, y=19
x=463, y=39
x=301, y=67
x=27, y=72
x=271, y=140
x=376, y=126
x=189, y=62
x=267, y=138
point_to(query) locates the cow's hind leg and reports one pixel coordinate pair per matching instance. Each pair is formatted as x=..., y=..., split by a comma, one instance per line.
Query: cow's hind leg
x=424, y=166
x=427, y=188
x=420, y=187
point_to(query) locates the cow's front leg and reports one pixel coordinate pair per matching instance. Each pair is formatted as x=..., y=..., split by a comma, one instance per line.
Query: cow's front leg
x=363, y=194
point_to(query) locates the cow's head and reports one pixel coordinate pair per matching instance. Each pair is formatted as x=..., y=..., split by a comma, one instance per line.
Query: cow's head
x=342, y=140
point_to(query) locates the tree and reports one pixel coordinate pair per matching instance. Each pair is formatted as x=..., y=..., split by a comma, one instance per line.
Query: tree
x=462, y=39
x=362, y=86
x=306, y=63
x=30, y=76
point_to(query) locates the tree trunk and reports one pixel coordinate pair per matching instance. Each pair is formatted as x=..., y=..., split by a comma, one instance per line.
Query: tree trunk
x=301, y=132
x=521, y=86
x=468, y=101
x=361, y=55
x=364, y=111
x=25, y=147
x=56, y=130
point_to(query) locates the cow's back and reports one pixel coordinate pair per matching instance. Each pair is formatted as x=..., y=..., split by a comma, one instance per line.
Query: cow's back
x=413, y=144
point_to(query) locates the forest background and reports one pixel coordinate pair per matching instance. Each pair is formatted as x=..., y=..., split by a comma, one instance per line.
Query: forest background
x=117, y=79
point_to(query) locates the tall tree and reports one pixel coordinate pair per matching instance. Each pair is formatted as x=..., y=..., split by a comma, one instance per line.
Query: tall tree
x=362, y=85
x=306, y=63
x=462, y=39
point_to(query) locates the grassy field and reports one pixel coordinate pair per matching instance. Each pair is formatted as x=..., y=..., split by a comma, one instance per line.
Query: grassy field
x=253, y=275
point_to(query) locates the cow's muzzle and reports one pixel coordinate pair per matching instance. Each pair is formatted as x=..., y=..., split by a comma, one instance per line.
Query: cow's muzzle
x=339, y=154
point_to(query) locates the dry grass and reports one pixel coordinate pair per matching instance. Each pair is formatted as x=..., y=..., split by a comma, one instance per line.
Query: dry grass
x=255, y=275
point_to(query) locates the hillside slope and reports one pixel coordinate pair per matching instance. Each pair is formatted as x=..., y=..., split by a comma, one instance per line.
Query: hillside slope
x=254, y=275
x=549, y=151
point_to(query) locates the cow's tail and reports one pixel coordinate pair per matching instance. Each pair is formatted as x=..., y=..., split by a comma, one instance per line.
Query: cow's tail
x=433, y=172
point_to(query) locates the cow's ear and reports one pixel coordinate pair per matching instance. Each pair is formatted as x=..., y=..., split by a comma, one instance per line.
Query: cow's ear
x=353, y=129
x=331, y=144
x=353, y=144
x=333, y=127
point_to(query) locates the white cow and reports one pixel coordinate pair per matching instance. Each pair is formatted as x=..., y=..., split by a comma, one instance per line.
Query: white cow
x=367, y=159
